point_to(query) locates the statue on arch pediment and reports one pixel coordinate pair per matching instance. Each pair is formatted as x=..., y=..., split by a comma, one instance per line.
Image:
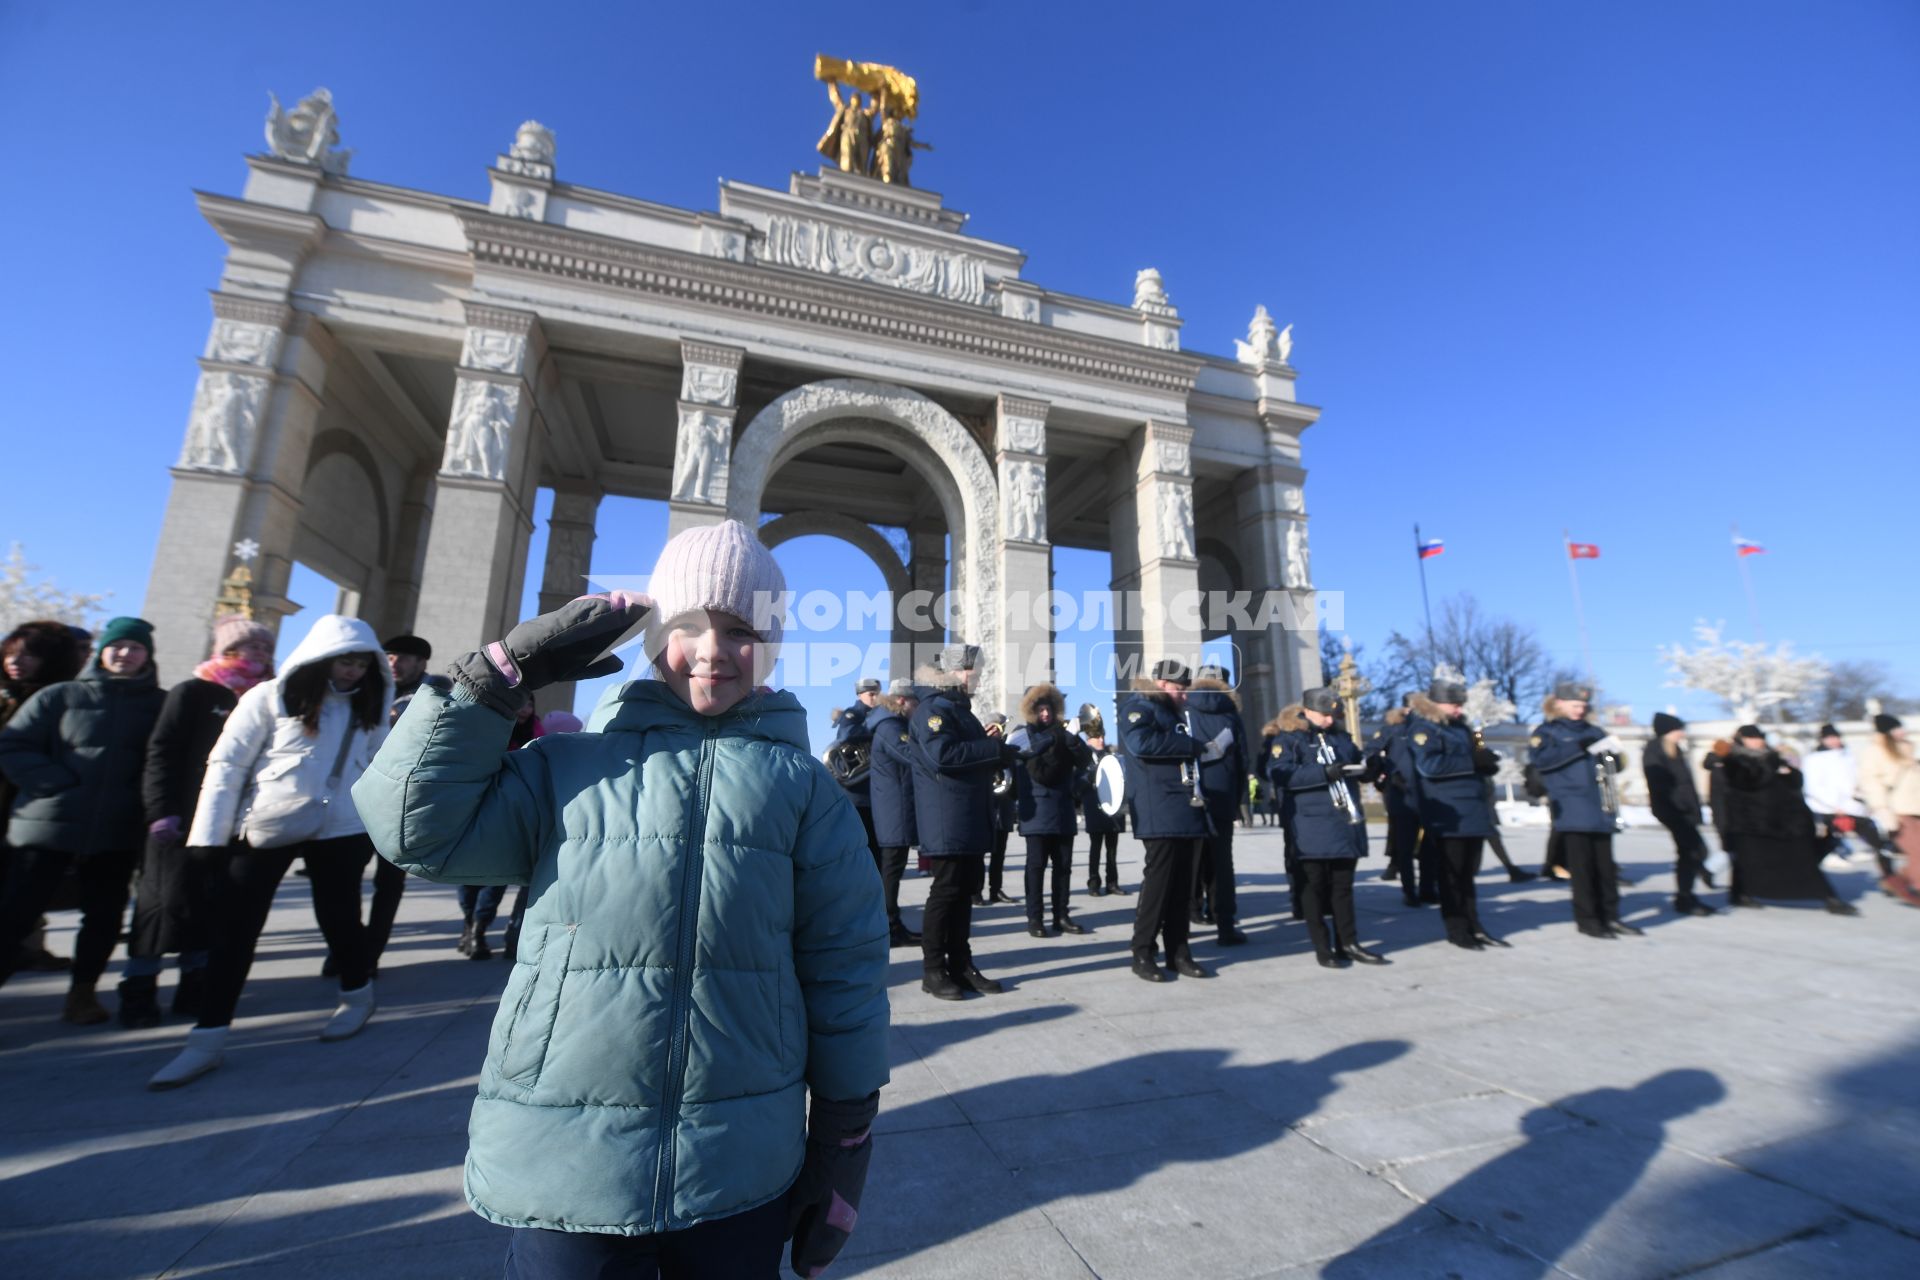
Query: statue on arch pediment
x=309, y=134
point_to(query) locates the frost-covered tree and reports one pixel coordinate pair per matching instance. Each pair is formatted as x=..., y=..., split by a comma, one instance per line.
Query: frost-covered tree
x=25, y=596
x=1745, y=676
x=1484, y=705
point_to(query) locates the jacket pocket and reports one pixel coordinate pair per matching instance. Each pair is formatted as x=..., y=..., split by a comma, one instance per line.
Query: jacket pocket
x=523, y=1051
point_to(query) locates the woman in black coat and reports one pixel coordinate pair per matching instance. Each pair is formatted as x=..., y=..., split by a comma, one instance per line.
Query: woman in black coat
x=172, y=911
x=1046, y=798
x=1675, y=802
x=1767, y=828
x=73, y=754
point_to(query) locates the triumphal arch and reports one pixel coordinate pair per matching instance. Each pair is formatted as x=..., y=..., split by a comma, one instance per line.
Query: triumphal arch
x=391, y=374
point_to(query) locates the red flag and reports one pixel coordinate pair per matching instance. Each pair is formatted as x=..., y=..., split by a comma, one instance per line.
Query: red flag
x=1583, y=550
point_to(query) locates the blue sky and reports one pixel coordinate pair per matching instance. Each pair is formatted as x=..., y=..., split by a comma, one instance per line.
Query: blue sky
x=1638, y=270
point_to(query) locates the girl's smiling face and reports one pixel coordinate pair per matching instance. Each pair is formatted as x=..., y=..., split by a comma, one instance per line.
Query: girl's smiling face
x=708, y=661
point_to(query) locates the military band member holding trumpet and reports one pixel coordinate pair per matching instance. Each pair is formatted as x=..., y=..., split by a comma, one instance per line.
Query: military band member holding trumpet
x=890, y=774
x=1170, y=812
x=1318, y=770
x=1046, y=782
x=1579, y=764
x=1456, y=809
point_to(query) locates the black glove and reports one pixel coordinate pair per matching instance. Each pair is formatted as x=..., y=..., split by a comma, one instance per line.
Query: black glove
x=551, y=649
x=1010, y=755
x=1361, y=770
x=824, y=1204
x=1486, y=760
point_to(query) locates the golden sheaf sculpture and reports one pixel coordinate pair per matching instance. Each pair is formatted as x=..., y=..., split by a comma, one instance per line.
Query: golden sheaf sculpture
x=873, y=138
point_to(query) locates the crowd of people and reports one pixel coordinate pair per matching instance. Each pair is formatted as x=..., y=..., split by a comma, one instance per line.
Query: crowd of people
x=688, y=871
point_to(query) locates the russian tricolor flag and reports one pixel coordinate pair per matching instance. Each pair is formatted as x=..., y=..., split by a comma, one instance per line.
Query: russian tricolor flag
x=1745, y=547
x=1431, y=548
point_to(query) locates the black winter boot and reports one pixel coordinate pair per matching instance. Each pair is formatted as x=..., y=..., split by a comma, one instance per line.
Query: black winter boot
x=465, y=945
x=139, y=1004
x=936, y=982
x=479, y=950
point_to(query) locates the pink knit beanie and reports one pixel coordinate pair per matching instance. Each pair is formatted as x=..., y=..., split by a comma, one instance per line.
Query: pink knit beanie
x=723, y=568
x=231, y=630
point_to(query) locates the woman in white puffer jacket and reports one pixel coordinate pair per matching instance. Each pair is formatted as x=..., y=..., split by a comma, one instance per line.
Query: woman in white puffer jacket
x=277, y=788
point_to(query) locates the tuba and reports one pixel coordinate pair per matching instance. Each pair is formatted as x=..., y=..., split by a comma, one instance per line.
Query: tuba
x=849, y=761
x=1091, y=725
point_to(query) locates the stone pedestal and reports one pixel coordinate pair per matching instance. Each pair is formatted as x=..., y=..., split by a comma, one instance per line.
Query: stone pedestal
x=1282, y=653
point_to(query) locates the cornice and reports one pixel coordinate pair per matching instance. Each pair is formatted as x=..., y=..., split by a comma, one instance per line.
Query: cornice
x=789, y=294
x=236, y=220
x=233, y=306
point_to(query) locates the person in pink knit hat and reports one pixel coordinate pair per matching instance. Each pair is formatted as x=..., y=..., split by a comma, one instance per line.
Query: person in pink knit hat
x=172, y=911
x=685, y=1068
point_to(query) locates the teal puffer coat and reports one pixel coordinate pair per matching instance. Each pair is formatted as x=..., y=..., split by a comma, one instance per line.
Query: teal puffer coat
x=705, y=943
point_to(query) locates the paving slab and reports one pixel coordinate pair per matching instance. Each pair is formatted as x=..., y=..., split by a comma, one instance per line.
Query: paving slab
x=1730, y=1097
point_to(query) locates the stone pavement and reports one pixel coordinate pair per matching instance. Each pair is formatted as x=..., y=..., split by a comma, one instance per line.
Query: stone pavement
x=1734, y=1097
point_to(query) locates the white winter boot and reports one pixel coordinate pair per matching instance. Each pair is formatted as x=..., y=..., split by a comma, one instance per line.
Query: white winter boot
x=205, y=1049
x=356, y=1007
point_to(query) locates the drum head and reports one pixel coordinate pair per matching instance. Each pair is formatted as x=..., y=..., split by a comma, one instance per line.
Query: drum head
x=1110, y=785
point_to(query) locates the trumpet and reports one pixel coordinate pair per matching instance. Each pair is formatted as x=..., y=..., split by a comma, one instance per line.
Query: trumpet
x=1190, y=769
x=1336, y=782
x=1608, y=778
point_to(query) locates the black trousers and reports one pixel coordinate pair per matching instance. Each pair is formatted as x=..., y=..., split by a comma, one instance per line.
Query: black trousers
x=34, y=874
x=746, y=1246
x=1458, y=862
x=1044, y=852
x=1111, y=840
x=1403, y=838
x=1556, y=852
x=997, y=870
x=1162, y=909
x=1427, y=856
x=1328, y=888
x=946, y=928
x=334, y=870
x=1213, y=879
x=480, y=903
x=892, y=862
x=389, y=884
x=173, y=906
x=1596, y=881
x=1689, y=855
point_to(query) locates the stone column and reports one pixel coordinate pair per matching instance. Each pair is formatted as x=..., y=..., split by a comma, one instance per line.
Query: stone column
x=483, y=501
x=926, y=572
x=1026, y=554
x=703, y=444
x=564, y=577
x=1282, y=652
x=1156, y=569
x=408, y=560
x=240, y=469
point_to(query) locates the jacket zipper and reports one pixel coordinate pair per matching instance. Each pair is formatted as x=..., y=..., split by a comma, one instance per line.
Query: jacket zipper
x=690, y=874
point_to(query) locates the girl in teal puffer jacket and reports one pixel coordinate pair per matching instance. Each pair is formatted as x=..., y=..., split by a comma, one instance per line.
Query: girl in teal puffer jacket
x=704, y=949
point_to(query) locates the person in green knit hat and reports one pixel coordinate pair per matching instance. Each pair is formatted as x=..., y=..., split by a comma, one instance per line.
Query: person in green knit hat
x=74, y=754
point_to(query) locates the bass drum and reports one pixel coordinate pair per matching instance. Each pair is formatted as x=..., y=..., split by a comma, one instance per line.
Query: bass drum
x=1110, y=785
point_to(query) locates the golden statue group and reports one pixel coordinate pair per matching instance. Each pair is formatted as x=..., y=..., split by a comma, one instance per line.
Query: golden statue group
x=854, y=140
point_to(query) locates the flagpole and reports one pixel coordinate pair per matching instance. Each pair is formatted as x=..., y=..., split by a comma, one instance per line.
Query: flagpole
x=1579, y=610
x=1746, y=579
x=1420, y=554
